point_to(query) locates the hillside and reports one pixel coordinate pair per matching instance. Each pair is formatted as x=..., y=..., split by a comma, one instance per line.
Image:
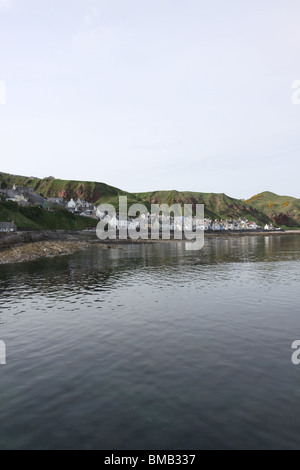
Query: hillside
x=35, y=218
x=51, y=187
x=217, y=206
x=263, y=208
x=283, y=210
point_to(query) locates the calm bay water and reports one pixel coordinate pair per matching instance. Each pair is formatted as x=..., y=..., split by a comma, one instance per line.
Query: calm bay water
x=152, y=347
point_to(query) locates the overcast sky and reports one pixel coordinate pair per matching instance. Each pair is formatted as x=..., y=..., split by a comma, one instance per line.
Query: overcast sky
x=153, y=94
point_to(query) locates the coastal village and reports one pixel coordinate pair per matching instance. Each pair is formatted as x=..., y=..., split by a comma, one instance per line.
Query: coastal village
x=26, y=197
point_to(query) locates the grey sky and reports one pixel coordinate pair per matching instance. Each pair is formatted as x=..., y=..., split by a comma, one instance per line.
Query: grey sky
x=153, y=94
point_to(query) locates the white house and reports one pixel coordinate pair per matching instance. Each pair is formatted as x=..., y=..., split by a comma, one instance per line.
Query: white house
x=99, y=213
x=72, y=205
x=216, y=226
x=20, y=198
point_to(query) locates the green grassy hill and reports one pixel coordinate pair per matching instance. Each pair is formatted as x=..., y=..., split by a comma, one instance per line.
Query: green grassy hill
x=217, y=206
x=263, y=208
x=283, y=210
x=35, y=218
x=51, y=187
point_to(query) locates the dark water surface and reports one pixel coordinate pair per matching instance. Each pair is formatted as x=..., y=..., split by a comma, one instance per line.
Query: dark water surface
x=152, y=347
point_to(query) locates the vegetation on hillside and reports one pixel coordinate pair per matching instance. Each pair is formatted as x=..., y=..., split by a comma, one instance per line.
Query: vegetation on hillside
x=283, y=210
x=217, y=206
x=263, y=208
x=50, y=187
x=35, y=218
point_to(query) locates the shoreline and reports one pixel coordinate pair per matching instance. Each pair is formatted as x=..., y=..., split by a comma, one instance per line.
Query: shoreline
x=253, y=233
x=39, y=250
x=24, y=247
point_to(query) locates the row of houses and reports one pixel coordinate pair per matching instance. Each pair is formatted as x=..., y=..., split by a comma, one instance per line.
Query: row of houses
x=23, y=196
x=228, y=225
x=188, y=223
x=82, y=207
x=26, y=197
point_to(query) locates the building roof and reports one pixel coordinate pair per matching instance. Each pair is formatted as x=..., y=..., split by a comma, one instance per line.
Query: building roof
x=55, y=199
x=10, y=194
x=35, y=198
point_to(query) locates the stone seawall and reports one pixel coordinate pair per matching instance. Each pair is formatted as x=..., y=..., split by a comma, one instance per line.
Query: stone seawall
x=8, y=240
x=37, y=250
x=19, y=238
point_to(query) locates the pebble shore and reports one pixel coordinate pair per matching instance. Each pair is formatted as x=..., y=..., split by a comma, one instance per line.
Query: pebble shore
x=38, y=250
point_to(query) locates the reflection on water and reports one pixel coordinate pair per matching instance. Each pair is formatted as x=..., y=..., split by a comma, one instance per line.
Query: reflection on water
x=153, y=347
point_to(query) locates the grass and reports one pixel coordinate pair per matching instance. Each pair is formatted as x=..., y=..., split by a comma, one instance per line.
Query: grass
x=263, y=208
x=217, y=206
x=35, y=218
x=284, y=210
x=47, y=187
